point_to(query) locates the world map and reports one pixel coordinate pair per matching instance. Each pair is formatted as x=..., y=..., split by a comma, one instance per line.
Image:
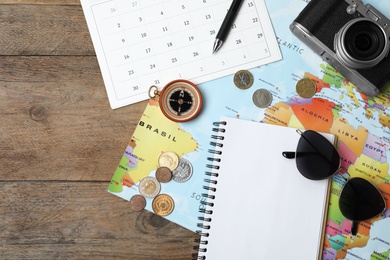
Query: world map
x=361, y=124
x=363, y=153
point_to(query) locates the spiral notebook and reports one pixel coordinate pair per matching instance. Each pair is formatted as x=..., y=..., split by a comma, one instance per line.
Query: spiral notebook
x=258, y=205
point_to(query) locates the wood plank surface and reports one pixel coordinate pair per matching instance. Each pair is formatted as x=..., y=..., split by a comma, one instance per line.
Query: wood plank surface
x=44, y=30
x=80, y=220
x=60, y=143
x=56, y=120
x=42, y=2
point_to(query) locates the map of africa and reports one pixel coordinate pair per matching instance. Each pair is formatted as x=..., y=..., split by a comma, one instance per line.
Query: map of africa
x=361, y=123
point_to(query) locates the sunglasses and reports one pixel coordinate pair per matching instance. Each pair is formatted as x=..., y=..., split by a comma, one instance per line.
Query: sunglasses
x=317, y=159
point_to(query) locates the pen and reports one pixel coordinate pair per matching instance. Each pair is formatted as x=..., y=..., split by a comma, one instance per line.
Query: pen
x=226, y=24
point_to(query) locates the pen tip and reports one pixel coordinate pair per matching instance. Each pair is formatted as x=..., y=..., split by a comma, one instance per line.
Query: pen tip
x=217, y=45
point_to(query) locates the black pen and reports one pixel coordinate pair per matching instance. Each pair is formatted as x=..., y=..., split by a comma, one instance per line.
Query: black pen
x=226, y=24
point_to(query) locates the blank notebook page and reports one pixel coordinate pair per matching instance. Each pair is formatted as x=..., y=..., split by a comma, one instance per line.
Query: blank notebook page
x=264, y=208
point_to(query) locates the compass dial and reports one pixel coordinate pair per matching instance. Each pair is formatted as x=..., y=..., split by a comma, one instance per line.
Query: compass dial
x=180, y=100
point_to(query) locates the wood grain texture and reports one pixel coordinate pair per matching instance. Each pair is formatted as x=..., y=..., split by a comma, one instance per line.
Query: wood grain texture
x=41, y=2
x=60, y=143
x=44, y=30
x=74, y=220
x=56, y=120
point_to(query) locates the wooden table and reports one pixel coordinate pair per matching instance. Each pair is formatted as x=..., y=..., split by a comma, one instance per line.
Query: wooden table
x=60, y=143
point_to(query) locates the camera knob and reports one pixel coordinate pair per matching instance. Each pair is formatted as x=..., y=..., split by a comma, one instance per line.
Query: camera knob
x=352, y=8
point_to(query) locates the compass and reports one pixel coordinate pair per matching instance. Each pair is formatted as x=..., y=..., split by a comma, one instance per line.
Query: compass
x=180, y=100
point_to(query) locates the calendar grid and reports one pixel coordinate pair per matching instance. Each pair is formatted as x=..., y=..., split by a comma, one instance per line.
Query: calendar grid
x=144, y=43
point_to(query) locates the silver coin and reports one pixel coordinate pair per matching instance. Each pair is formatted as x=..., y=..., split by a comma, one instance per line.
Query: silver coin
x=183, y=172
x=149, y=187
x=262, y=98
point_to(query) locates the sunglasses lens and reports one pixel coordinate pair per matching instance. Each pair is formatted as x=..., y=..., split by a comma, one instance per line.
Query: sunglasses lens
x=360, y=200
x=316, y=157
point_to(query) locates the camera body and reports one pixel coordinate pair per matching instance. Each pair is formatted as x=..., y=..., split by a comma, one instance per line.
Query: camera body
x=352, y=37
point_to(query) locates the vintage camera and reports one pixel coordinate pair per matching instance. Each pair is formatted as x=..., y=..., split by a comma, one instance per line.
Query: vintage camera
x=352, y=37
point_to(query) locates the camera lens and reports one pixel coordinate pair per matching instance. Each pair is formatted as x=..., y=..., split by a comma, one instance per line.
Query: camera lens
x=361, y=43
x=364, y=40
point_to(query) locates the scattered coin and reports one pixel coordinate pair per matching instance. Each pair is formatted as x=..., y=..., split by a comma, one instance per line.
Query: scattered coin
x=183, y=171
x=168, y=159
x=262, y=98
x=137, y=202
x=163, y=205
x=243, y=79
x=163, y=174
x=306, y=88
x=149, y=187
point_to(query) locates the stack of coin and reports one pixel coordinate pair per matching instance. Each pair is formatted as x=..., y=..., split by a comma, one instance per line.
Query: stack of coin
x=181, y=169
x=170, y=167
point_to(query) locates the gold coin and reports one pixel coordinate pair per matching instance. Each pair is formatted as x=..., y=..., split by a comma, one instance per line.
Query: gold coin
x=149, y=187
x=163, y=174
x=306, y=88
x=169, y=160
x=137, y=203
x=243, y=79
x=163, y=205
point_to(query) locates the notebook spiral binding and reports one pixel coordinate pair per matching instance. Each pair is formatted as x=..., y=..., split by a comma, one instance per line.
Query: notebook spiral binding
x=210, y=182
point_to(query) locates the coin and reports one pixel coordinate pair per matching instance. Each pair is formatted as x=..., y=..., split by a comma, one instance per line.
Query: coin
x=163, y=205
x=243, y=79
x=262, y=98
x=137, y=202
x=168, y=159
x=163, y=174
x=183, y=171
x=149, y=187
x=306, y=88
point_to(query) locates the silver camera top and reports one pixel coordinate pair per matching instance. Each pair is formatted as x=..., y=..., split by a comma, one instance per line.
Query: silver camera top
x=369, y=12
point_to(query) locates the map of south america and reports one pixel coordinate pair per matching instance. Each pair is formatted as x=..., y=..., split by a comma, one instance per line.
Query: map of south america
x=154, y=135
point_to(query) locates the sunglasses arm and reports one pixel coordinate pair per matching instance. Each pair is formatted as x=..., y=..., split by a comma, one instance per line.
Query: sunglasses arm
x=354, y=227
x=289, y=155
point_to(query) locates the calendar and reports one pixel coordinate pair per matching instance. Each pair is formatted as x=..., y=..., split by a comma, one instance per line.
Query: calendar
x=140, y=43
